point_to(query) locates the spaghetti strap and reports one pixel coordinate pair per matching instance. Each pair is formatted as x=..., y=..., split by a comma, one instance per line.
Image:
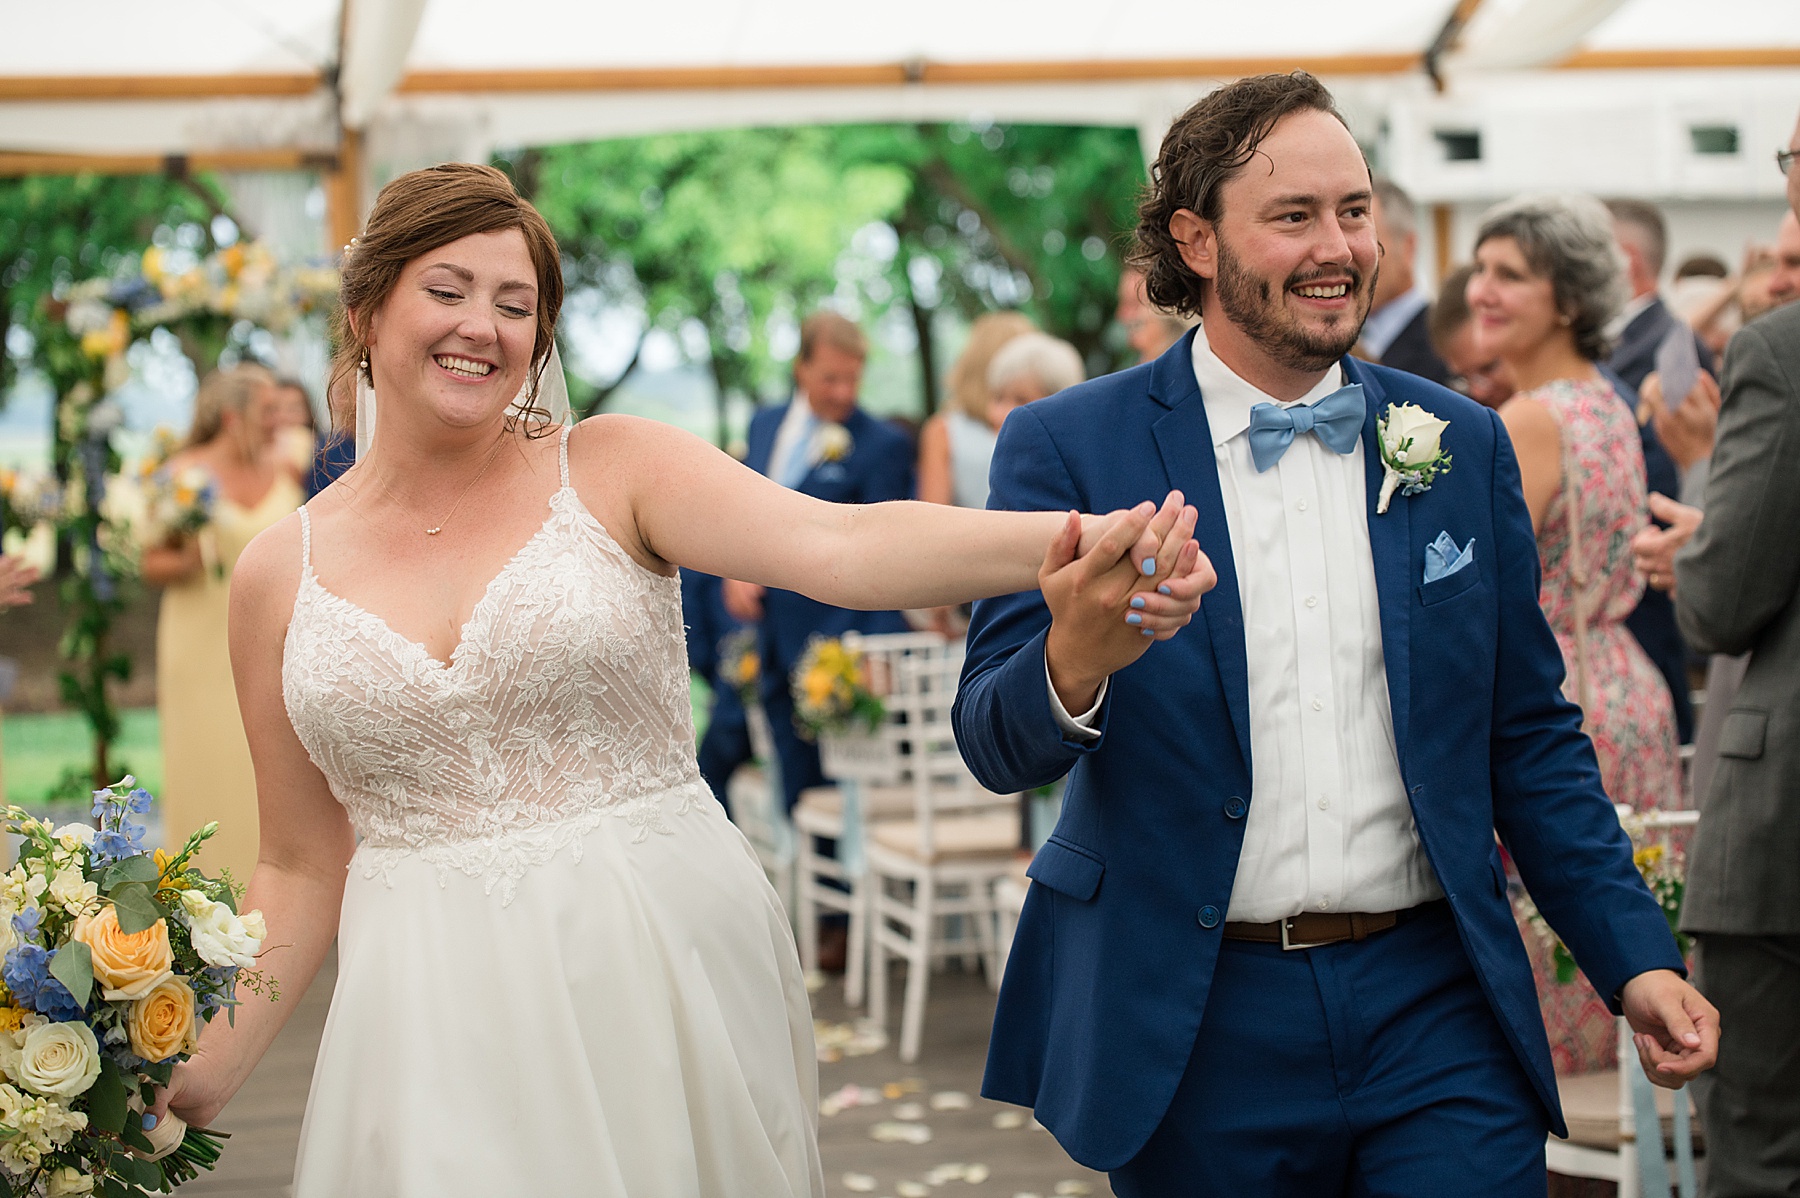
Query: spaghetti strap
x=305, y=541
x=563, y=453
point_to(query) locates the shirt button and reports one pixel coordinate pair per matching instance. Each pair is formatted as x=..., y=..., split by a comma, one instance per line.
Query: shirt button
x=1301, y=505
x=1317, y=706
x=1235, y=807
x=1312, y=601
x=1209, y=916
x=1325, y=904
x=1324, y=803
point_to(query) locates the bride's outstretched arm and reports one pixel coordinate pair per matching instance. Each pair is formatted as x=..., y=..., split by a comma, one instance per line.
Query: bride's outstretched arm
x=306, y=841
x=694, y=506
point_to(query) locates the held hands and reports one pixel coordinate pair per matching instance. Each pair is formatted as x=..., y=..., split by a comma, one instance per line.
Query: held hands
x=1116, y=585
x=1675, y=1029
x=1653, y=549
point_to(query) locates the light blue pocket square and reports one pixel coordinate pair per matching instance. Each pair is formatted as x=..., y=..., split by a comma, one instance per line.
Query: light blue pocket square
x=1443, y=558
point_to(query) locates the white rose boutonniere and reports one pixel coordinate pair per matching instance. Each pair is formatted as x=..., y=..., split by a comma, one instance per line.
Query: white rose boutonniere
x=832, y=443
x=1411, y=456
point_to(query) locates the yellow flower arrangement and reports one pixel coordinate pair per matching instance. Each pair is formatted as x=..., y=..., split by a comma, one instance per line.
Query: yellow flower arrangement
x=1665, y=873
x=740, y=665
x=831, y=689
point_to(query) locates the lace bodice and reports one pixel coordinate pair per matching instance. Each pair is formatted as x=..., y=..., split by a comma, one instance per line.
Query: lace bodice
x=564, y=703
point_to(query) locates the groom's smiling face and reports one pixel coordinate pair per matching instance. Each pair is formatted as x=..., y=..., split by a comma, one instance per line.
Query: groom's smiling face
x=1291, y=260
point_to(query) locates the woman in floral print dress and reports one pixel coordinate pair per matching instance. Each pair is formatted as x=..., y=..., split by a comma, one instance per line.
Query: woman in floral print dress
x=1548, y=278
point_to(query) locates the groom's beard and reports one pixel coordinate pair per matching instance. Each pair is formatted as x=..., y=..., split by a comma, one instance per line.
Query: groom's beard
x=1251, y=303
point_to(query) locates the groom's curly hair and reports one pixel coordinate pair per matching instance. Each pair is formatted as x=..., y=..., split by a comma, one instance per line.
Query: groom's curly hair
x=416, y=213
x=1203, y=150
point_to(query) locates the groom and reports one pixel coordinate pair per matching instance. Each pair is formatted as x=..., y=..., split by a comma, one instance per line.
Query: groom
x=1269, y=950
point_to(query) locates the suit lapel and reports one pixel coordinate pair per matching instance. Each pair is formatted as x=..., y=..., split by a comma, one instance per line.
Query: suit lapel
x=1184, y=439
x=1390, y=543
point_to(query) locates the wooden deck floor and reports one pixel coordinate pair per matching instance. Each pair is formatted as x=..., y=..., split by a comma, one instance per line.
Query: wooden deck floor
x=264, y=1118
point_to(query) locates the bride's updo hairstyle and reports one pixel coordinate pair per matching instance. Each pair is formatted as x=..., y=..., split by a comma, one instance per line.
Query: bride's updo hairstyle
x=417, y=213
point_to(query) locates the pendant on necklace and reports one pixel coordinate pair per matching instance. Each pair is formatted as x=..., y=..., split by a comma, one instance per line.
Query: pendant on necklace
x=432, y=532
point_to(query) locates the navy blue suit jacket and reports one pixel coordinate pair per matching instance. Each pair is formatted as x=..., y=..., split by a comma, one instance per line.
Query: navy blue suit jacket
x=1116, y=948
x=879, y=467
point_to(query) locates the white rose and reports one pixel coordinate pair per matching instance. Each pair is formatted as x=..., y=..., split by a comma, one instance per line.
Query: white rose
x=1405, y=421
x=72, y=891
x=69, y=1182
x=219, y=936
x=59, y=1058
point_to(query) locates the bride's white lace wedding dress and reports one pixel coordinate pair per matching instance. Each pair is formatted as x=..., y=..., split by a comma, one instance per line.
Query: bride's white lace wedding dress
x=560, y=968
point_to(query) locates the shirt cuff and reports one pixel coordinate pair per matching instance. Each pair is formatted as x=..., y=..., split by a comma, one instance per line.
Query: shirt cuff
x=1081, y=727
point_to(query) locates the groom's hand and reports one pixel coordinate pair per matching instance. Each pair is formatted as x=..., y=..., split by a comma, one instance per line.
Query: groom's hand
x=1675, y=1029
x=1107, y=604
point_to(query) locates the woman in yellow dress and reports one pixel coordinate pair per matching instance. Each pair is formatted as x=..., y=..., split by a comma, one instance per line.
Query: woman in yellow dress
x=206, y=761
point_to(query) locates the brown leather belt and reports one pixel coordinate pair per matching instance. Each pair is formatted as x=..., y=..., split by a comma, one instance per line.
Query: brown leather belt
x=1311, y=929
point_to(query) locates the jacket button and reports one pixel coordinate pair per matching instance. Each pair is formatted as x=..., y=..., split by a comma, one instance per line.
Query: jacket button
x=1209, y=916
x=1235, y=807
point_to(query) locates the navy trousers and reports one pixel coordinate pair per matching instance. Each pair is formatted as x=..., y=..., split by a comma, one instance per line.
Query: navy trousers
x=1356, y=1070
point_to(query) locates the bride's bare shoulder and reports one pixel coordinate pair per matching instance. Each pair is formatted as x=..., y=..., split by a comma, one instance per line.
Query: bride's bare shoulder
x=266, y=576
x=634, y=441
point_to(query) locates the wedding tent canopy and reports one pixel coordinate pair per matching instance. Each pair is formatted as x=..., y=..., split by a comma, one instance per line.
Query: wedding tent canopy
x=1461, y=99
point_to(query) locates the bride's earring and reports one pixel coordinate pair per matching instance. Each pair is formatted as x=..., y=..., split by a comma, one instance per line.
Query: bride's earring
x=364, y=364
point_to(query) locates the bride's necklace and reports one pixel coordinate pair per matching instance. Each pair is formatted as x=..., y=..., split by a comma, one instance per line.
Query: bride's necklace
x=479, y=474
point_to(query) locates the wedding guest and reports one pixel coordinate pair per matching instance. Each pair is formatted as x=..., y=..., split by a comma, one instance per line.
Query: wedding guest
x=1397, y=332
x=822, y=444
x=1737, y=590
x=956, y=444
x=336, y=451
x=1548, y=279
x=1148, y=329
x=296, y=432
x=1478, y=374
x=1703, y=295
x=1322, y=762
x=1644, y=320
x=206, y=761
x=1030, y=368
x=1639, y=329
x=1784, y=280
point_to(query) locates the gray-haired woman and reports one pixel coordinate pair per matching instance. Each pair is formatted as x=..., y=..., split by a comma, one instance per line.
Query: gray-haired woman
x=1548, y=278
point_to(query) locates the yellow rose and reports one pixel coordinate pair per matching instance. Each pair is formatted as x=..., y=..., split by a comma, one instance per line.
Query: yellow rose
x=162, y=1023
x=11, y=1018
x=127, y=966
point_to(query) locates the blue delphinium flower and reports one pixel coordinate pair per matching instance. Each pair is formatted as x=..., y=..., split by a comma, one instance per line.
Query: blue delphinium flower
x=139, y=801
x=25, y=970
x=25, y=923
x=110, y=846
x=26, y=973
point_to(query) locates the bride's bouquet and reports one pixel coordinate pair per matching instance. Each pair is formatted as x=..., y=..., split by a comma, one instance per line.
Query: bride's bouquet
x=114, y=957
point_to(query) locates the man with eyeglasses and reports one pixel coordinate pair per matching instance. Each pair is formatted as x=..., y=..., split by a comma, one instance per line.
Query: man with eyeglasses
x=1737, y=590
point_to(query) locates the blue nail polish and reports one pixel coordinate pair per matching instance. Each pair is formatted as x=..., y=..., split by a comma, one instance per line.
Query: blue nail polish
x=1134, y=618
x=1149, y=567
x=1164, y=590
x=149, y=1121
x=1137, y=601
x=1148, y=632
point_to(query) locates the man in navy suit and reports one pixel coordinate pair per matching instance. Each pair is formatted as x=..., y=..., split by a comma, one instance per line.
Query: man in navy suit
x=1268, y=950
x=822, y=444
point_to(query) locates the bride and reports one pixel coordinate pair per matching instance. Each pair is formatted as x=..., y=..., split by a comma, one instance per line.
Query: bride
x=461, y=669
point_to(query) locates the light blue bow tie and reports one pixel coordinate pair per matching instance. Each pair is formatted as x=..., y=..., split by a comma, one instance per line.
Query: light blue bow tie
x=1336, y=420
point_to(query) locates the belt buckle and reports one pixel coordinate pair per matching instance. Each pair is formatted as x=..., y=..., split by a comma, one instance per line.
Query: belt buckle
x=1288, y=945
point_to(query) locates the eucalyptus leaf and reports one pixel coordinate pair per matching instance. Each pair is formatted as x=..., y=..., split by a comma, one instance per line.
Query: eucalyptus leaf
x=141, y=868
x=107, y=1099
x=137, y=908
x=73, y=966
x=134, y=1135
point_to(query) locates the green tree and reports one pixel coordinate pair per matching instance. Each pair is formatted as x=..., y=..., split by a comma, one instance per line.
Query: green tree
x=733, y=230
x=1009, y=216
